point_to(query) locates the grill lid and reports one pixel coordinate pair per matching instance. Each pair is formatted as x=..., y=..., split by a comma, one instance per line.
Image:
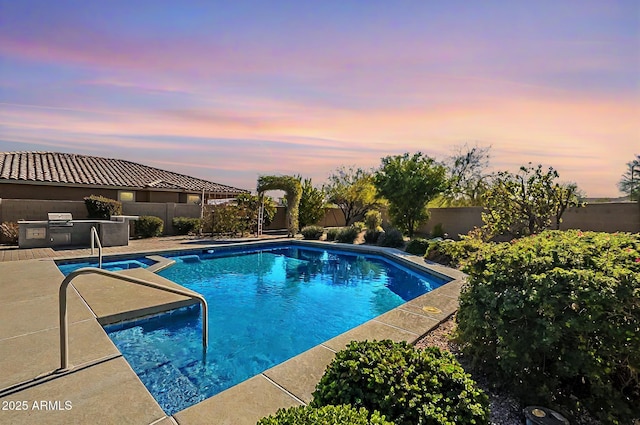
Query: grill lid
x=60, y=216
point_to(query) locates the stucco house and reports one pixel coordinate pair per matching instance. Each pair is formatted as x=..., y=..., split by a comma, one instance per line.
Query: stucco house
x=71, y=177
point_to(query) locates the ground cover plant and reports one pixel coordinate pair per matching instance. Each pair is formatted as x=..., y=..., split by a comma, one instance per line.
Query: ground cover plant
x=556, y=318
x=326, y=415
x=407, y=385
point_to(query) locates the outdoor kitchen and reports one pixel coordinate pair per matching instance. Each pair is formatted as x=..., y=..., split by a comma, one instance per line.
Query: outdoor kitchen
x=62, y=230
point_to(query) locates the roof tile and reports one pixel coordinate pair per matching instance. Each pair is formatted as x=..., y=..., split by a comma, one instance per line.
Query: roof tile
x=67, y=168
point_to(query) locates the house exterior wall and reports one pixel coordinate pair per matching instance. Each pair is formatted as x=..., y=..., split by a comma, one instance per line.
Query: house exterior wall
x=52, y=192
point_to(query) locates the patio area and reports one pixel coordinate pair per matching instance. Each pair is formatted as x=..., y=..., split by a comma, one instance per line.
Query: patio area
x=102, y=387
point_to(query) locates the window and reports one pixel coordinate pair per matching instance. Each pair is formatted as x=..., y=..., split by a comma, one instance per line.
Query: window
x=126, y=196
x=193, y=199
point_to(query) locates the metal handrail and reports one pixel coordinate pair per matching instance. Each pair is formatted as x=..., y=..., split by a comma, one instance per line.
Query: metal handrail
x=64, y=327
x=95, y=238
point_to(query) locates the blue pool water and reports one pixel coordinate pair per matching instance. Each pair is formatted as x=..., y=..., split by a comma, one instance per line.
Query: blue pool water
x=67, y=268
x=264, y=308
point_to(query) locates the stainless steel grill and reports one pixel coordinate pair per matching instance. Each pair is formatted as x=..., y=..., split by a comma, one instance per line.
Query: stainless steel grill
x=60, y=220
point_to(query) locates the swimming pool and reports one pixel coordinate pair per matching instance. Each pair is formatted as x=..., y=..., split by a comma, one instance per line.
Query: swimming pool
x=265, y=306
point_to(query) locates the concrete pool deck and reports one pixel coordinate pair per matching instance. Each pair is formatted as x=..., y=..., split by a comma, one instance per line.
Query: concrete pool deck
x=102, y=387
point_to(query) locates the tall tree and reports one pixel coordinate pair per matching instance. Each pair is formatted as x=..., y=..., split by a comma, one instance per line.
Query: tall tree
x=468, y=177
x=352, y=190
x=527, y=202
x=630, y=181
x=312, y=203
x=409, y=182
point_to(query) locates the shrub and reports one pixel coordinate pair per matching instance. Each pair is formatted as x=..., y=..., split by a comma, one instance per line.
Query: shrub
x=312, y=232
x=10, y=231
x=148, y=226
x=454, y=253
x=359, y=225
x=348, y=234
x=556, y=316
x=438, y=231
x=417, y=246
x=101, y=207
x=407, y=385
x=186, y=225
x=371, y=236
x=391, y=238
x=373, y=220
x=307, y=415
x=333, y=233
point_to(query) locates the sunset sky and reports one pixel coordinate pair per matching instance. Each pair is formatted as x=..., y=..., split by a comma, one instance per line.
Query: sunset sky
x=228, y=91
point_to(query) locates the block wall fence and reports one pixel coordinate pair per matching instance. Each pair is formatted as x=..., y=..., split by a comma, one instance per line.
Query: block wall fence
x=601, y=217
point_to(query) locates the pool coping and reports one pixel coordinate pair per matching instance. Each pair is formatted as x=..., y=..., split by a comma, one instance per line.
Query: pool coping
x=293, y=381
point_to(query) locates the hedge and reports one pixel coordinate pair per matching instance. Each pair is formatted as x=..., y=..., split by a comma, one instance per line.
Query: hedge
x=556, y=317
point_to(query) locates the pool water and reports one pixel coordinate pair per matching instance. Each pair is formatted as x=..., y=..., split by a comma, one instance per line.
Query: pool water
x=264, y=308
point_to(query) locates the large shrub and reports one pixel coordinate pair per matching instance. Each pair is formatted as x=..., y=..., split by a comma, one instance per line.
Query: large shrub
x=454, y=253
x=371, y=236
x=326, y=415
x=407, y=385
x=417, y=246
x=148, y=226
x=391, y=238
x=347, y=234
x=101, y=207
x=557, y=317
x=312, y=232
x=186, y=225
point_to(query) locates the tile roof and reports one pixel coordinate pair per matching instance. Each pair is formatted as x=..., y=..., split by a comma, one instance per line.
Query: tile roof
x=68, y=168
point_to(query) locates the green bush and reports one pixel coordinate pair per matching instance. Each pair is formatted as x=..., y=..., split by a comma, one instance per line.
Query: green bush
x=101, y=207
x=312, y=232
x=417, y=246
x=371, y=236
x=148, y=226
x=556, y=316
x=186, y=225
x=326, y=415
x=373, y=219
x=348, y=234
x=407, y=385
x=332, y=233
x=391, y=238
x=454, y=253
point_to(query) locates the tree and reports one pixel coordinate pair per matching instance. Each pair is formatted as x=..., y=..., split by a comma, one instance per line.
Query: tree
x=248, y=206
x=312, y=203
x=468, y=179
x=527, y=202
x=409, y=182
x=352, y=190
x=293, y=191
x=630, y=181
